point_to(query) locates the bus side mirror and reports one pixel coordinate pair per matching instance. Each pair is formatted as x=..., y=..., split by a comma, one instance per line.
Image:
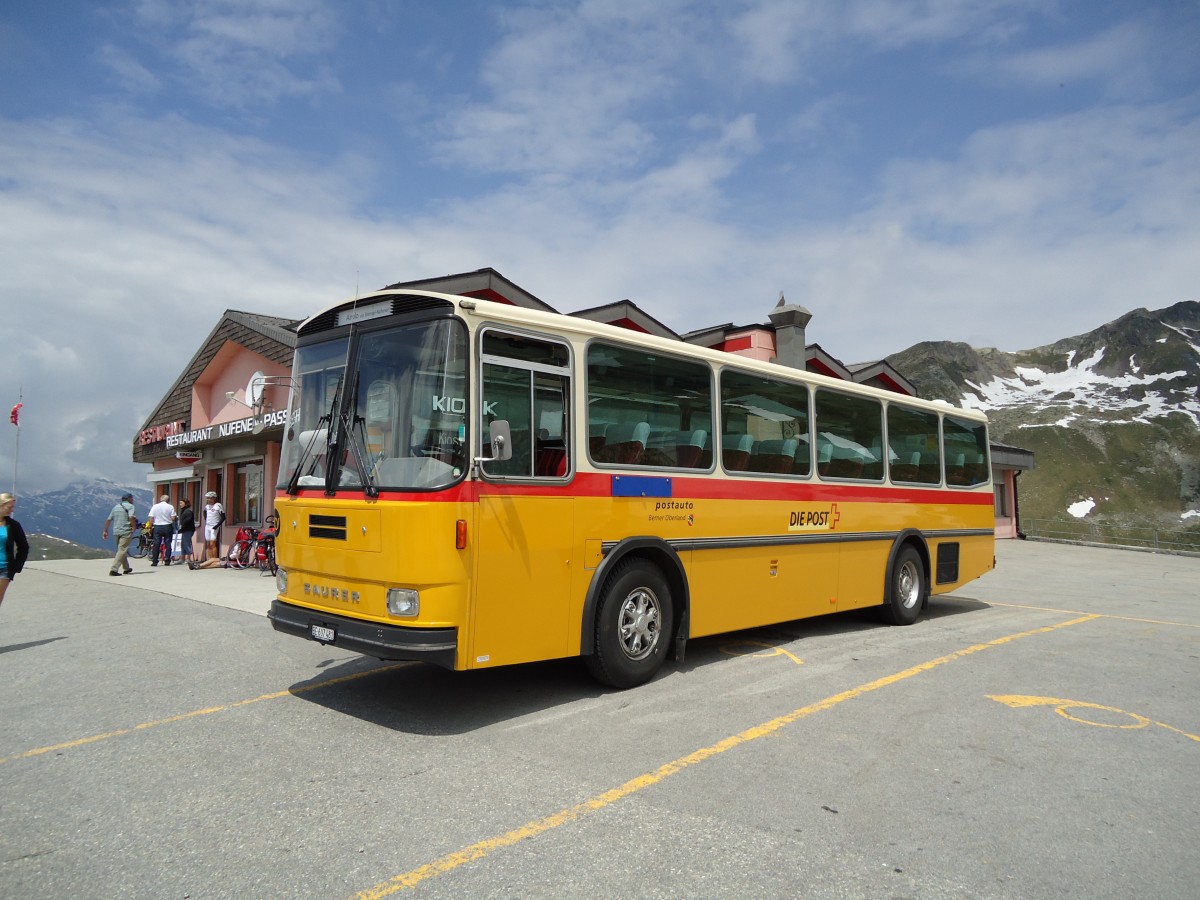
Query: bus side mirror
x=500, y=438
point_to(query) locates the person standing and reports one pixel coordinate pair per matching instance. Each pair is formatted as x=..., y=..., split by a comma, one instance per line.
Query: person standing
x=123, y=522
x=162, y=521
x=13, y=544
x=187, y=527
x=214, y=515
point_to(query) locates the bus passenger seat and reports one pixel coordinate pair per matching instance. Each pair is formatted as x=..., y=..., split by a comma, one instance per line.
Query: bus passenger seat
x=689, y=447
x=775, y=456
x=551, y=462
x=626, y=442
x=596, y=431
x=735, y=451
x=956, y=470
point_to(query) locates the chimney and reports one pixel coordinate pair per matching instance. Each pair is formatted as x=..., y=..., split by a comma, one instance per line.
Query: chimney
x=790, y=321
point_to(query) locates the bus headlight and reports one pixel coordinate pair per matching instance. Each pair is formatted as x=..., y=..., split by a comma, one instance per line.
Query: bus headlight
x=281, y=581
x=403, y=602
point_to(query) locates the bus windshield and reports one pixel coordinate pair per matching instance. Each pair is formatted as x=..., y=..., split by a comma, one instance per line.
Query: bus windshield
x=394, y=417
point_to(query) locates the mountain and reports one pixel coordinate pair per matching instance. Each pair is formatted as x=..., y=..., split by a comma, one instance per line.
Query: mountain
x=43, y=546
x=77, y=512
x=1112, y=416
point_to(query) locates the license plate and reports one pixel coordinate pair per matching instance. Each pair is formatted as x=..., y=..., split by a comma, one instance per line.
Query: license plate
x=322, y=633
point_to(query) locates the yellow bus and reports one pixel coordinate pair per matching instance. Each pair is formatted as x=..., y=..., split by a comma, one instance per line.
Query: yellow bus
x=474, y=484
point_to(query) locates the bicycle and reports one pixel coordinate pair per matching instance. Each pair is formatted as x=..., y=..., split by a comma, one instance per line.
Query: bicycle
x=263, y=549
x=141, y=543
x=252, y=547
x=239, y=556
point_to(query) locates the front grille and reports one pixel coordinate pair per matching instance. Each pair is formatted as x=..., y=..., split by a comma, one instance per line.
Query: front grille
x=331, y=527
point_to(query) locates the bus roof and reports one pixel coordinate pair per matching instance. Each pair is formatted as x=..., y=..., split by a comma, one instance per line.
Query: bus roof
x=581, y=328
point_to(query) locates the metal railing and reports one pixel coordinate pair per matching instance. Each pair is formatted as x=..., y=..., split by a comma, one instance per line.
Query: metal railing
x=1075, y=531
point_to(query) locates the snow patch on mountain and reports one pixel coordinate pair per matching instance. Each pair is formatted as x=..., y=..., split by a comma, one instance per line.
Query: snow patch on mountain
x=1080, y=390
x=1081, y=508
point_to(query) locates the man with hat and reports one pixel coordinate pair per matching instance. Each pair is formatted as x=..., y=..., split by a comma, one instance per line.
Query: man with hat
x=214, y=515
x=123, y=523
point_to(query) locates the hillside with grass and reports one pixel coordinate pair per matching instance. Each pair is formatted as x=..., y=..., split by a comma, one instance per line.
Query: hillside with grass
x=1112, y=416
x=45, y=546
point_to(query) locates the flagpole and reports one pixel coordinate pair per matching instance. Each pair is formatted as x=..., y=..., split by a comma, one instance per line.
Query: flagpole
x=15, y=418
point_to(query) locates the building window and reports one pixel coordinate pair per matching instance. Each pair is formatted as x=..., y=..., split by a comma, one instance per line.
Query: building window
x=1001, y=501
x=247, y=499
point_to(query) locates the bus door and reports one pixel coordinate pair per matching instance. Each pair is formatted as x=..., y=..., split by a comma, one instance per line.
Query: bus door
x=524, y=579
x=525, y=535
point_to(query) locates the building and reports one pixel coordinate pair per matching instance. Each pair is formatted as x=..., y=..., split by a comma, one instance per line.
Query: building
x=220, y=426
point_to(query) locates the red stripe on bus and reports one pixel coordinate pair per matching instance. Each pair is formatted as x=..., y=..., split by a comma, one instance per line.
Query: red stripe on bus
x=593, y=484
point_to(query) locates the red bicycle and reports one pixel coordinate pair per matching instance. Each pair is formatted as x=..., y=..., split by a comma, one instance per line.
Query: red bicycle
x=254, y=548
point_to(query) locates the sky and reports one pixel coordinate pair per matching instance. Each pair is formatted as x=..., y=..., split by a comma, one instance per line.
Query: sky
x=1000, y=172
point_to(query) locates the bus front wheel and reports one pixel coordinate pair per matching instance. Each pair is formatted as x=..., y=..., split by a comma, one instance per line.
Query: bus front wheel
x=907, y=588
x=633, y=626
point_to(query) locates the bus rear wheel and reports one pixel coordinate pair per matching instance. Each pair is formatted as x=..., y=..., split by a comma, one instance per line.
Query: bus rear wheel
x=908, y=588
x=633, y=626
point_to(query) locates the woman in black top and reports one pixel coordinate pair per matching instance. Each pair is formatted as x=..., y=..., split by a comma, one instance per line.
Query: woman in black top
x=187, y=527
x=12, y=541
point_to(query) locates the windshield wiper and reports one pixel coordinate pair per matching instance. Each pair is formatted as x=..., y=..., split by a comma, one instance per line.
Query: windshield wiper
x=333, y=440
x=358, y=446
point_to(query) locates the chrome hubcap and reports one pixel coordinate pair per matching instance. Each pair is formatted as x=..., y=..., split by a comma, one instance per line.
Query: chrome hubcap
x=640, y=623
x=908, y=585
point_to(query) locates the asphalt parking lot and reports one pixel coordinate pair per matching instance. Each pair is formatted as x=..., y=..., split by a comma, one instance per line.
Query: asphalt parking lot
x=1036, y=735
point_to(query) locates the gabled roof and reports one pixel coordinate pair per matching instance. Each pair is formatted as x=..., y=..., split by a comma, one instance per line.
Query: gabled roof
x=271, y=337
x=817, y=360
x=485, y=284
x=882, y=374
x=627, y=314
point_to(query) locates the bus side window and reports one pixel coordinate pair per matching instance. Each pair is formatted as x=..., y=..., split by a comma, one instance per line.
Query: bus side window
x=647, y=409
x=526, y=381
x=966, y=452
x=852, y=428
x=767, y=424
x=913, y=454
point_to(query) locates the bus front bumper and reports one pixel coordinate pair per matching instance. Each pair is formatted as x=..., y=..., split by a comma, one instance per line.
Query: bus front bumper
x=433, y=645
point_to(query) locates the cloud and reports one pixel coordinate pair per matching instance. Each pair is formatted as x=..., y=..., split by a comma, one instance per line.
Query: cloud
x=666, y=153
x=780, y=41
x=231, y=53
x=1119, y=59
x=559, y=91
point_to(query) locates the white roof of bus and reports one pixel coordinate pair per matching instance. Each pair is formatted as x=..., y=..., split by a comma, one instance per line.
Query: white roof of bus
x=558, y=323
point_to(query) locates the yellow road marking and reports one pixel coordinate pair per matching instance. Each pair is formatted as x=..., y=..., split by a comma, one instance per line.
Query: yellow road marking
x=208, y=711
x=1079, y=612
x=531, y=829
x=772, y=650
x=1021, y=701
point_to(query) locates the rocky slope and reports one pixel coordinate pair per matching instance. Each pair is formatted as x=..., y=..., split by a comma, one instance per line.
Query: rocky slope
x=1112, y=415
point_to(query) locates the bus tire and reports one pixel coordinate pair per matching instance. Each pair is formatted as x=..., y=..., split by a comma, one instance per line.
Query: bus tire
x=908, y=588
x=633, y=626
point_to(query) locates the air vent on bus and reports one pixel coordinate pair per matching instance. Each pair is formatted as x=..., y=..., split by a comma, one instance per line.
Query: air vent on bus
x=329, y=527
x=947, y=563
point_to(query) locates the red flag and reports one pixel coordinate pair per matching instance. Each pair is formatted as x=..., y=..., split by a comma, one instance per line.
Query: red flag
x=15, y=415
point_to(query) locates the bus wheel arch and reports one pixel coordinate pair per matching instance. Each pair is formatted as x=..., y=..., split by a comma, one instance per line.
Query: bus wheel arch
x=906, y=586
x=623, y=571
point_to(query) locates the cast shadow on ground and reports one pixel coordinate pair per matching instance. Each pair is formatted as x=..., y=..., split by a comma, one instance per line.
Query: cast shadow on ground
x=26, y=646
x=419, y=698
